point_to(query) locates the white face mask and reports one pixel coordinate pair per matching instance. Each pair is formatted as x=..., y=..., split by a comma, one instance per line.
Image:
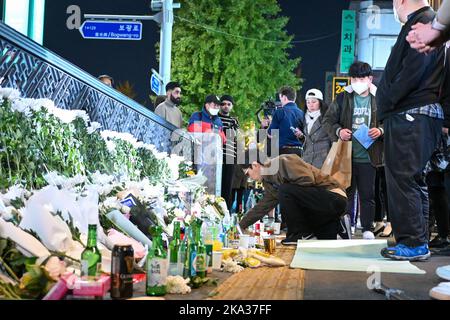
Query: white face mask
x=360, y=87
x=213, y=112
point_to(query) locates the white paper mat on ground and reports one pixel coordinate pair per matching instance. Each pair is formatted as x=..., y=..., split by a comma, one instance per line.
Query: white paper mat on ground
x=348, y=255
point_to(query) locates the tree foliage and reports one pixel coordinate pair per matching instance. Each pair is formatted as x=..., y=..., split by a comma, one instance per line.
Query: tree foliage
x=236, y=47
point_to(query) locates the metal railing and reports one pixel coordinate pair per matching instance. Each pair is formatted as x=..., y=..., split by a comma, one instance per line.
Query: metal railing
x=39, y=73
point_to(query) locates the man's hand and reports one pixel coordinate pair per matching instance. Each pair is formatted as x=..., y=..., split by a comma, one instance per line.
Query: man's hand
x=445, y=130
x=265, y=123
x=424, y=38
x=374, y=133
x=345, y=134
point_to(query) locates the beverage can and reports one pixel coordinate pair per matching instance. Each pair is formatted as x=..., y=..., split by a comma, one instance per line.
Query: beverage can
x=122, y=263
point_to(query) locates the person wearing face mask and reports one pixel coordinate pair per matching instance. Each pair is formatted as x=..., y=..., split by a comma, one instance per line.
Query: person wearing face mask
x=347, y=113
x=408, y=104
x=207, y=120
x=317, y=142
x=169, y=110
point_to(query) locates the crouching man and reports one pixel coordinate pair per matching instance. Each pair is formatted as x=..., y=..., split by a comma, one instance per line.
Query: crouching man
x=311, y=201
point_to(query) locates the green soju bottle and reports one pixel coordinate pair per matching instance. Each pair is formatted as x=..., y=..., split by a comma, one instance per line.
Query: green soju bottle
x=156, y=265
x=200, y=263
x=192, y=253
x=174, y=247
x=182, y=256
x=91, y=259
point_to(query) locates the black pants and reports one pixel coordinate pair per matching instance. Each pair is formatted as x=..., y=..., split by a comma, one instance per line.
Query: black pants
x=438, y=190
x=227, y=183
x=238, y=196
x=297, y=151
x=408, y=147
x=381, y=206
x=363, y=180
x=311, y=210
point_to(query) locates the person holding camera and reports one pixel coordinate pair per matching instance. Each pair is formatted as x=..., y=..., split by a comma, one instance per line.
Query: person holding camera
x=284, y=119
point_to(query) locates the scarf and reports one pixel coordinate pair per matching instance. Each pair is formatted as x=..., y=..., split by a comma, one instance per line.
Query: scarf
x=311, y=117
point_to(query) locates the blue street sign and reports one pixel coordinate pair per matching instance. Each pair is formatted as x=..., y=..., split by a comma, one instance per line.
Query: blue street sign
x=111, y=30
x=155, y=84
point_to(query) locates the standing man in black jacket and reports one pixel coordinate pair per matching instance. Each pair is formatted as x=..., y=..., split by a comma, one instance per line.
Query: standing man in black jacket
x=408, y=105
x=230, y=127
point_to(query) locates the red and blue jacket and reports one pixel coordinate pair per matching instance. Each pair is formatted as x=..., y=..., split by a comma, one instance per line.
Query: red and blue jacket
x=202, y=121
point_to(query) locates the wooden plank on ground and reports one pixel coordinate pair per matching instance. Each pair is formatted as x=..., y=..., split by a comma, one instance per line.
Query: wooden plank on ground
x=265, y=283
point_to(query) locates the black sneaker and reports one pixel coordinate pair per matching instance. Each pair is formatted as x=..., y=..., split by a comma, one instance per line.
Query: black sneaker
x=445, y=251
x=439, y=242
x=345, y=229
x=293, y=239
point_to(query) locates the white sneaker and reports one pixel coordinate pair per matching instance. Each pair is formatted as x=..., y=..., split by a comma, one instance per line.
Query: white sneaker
x=441, y=292
x=443, y=272
x=368, y=235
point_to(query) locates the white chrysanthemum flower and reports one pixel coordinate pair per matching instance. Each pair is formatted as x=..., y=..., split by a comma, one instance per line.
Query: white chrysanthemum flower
x=94, y=127
x=112, y=202
x=9, y=93
x=139, y=144
x=54, y=179
x=111, y=146
x=21, y=106
x=46, y=103
x=150, y=192
x=229, y=265
x=14, y=192
x=177, y=285
x=150, y=147
x=83, y=115
x=100, y=178
x=7, y=213
x=179, y=213
x=160, y=155
x=76, y=180
x=188, y=219
x=66, y=116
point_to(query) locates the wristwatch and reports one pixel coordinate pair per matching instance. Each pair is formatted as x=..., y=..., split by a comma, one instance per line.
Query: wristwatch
x=436, y=25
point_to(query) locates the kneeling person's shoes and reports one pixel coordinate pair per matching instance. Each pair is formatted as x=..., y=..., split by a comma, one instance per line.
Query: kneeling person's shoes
x=439, y=242
x=402, y=252
x=345, y=228
x=292, y=240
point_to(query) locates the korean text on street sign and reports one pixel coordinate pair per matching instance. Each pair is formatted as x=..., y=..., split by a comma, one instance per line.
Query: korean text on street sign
x=111, y=30
x=347, y=39
x=155, y=84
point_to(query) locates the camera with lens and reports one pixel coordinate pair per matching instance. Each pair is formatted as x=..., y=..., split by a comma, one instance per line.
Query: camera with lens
x=267, y=109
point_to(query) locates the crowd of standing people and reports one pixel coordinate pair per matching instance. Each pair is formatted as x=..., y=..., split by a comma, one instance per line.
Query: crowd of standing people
x=403, y=122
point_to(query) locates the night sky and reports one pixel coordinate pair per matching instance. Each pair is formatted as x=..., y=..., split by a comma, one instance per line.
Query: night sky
x=133, y=60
